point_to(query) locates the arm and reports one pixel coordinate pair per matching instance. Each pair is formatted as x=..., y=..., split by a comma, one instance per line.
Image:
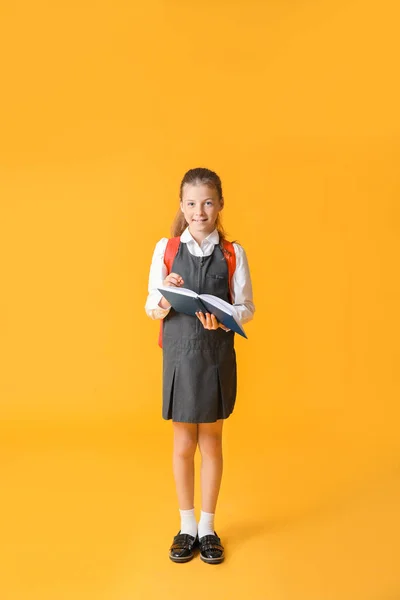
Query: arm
x=242, y=290
x=155, y=302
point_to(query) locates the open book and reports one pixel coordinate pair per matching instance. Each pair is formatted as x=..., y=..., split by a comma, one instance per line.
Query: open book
x=188, y=302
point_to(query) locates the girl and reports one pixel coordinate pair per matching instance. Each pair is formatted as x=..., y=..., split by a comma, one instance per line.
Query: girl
x=199, y=360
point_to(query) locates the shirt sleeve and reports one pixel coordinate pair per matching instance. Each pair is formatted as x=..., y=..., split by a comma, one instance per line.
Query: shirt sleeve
x=242, y=290
x=158, y=272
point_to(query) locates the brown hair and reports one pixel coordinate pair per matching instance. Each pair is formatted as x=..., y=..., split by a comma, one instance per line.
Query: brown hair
x=199, y=176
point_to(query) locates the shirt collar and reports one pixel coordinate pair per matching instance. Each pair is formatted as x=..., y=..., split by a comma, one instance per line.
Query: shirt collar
x=212, y=238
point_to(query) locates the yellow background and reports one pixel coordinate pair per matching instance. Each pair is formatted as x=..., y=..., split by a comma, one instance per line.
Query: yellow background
x=104, y=106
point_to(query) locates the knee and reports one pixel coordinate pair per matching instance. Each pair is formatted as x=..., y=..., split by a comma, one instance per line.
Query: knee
x=185, y=447
x=210, y=445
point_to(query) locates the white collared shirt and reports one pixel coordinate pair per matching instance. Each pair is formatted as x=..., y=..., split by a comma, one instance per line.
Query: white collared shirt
x=242, y=292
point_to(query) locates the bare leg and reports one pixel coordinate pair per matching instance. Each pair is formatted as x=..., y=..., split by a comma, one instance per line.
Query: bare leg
x=210, y=444
x=185, y=443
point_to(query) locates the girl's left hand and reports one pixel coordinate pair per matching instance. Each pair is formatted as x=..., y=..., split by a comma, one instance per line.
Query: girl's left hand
x=210, y=321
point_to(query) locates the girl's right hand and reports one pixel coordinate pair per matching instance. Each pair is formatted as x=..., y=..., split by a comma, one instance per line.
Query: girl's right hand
x=172, y=280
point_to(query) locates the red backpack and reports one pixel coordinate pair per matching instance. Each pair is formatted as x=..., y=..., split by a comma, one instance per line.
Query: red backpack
x=171, y=251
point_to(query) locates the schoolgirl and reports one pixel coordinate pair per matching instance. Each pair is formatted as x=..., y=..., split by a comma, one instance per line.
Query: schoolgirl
x=199, y=360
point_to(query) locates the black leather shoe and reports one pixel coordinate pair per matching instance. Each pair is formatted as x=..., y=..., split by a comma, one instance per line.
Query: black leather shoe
x=211, y=549
x=182, y=547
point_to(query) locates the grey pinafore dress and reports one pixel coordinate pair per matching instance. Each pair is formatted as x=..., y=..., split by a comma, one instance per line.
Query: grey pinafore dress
x=199, y=365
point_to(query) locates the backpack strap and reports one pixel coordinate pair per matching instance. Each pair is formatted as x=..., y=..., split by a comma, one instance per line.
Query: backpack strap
x=171, y=251
x=230, y=257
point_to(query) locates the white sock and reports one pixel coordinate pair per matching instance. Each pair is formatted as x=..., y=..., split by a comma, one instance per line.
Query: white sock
x=188, y=522
x=206, y=524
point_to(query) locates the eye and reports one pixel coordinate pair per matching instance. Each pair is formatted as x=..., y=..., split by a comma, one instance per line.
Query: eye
x=190, y=203
x=209, y=203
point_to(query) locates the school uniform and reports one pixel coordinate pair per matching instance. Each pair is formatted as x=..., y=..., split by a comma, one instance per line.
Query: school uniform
x=199, y=365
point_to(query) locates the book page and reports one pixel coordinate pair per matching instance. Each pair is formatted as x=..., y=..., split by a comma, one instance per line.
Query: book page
x=222, y=305
x=219, y=303
x=178, y=290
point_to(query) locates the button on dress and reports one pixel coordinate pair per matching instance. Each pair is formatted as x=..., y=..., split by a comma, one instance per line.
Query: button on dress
x=199, y=365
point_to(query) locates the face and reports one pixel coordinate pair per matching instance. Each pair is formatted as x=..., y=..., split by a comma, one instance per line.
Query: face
x=200, y=206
